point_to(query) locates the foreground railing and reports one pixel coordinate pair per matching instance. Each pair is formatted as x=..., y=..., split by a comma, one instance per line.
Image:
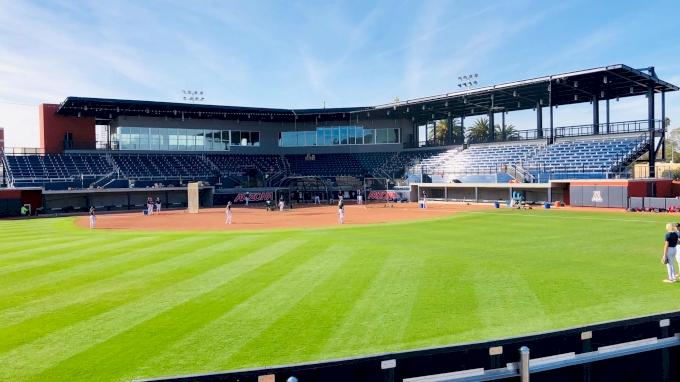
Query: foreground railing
x=639, y=348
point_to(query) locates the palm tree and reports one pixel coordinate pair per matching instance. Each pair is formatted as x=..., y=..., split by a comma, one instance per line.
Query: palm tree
x=443, y=129
x=479, y=131
x=511, y=133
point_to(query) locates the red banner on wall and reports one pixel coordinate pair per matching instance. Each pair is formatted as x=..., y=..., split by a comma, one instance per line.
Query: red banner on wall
x=382, y=195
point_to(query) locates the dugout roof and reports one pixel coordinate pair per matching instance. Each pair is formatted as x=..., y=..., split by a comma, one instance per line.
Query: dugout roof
x=608, y=82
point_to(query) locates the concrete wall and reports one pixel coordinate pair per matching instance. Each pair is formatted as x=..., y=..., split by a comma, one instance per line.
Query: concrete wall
x=269, y=133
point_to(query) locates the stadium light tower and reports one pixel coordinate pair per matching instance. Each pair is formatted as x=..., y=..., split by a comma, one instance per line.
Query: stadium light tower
x=193, y=95
x=467, y=81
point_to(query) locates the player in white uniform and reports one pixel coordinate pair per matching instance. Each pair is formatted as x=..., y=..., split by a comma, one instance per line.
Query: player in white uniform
x=247, y=198
x=158, y=205
x=149, y=206
x=424, y=199
x=360, y=198
x=93, y=217
x=228, y=213
x=317, y=200
x=281, y=204
x=341, y=211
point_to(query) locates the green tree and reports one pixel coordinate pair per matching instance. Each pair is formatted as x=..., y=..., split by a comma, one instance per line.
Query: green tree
x=511, y=133
x=479, y=131
x=442, y=131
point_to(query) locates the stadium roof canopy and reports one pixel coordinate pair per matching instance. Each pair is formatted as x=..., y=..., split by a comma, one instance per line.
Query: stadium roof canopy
x=608, y=82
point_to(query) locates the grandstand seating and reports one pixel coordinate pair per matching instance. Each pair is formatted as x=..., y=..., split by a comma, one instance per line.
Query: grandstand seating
x=479, y=159
x=325, y=165
x=36, y=168
x=237, y=163
x=160, y=166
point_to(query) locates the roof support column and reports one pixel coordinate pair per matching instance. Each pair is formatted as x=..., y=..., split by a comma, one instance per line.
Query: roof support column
x=449, y=129
x=607, y=107
x=491, y=123
x=539, y=120
x=503, y=125
x=650, y=121
x=414, y=135
x=491, y=127
x=663, y=123
x=550, y=105
x=462, y=128
x=596, y=115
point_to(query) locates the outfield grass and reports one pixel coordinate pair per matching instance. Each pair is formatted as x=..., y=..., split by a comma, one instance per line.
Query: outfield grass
x=82, y=305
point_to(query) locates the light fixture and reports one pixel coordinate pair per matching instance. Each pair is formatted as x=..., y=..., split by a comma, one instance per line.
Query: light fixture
x=605, y=79
x=575, y=97
x=467, y=81
x=575, y=84
x=514, y=93
x=602, y=94
x=631, y=90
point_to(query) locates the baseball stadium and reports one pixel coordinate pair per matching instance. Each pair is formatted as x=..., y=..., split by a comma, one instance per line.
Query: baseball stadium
x=420, y=240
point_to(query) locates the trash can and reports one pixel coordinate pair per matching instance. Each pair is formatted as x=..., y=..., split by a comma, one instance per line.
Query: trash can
x=496, y=205
x=558, y=204
x=145, y=212
x=547, y=206
x=422, y=205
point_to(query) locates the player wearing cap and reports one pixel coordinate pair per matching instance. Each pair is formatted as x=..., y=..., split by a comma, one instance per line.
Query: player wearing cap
x=341, y=211
x=228, y=213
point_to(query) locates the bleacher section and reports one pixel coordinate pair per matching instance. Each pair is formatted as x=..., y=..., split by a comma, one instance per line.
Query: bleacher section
x=585, y=158
x=159, y=166
x=325, y=165
x=240, y=162
x=36, y=169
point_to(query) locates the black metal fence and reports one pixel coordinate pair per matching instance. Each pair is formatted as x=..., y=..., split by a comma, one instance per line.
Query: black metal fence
x=636, y=349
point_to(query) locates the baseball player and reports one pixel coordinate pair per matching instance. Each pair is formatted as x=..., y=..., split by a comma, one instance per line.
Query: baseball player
x=424, y=199
x=317, y=200
x=158, y=205
x=228, y=213
x=93, y=217
x=360, y=198
x=149, y=206
x=247, y=198
x=281, y=204
x=341, y=211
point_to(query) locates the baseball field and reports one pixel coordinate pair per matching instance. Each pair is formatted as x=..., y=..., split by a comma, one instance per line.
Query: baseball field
x=115, y=305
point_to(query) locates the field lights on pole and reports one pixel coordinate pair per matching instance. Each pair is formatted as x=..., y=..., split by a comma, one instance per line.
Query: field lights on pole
x=467, y=81
x=193, y=95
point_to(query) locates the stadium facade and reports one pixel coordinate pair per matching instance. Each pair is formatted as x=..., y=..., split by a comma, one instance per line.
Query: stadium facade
x=151, y=143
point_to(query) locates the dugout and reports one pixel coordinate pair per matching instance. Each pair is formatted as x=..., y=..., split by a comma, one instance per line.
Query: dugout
x=616, y=193
x=11, y=201
x=124, y=199
x=537, y=193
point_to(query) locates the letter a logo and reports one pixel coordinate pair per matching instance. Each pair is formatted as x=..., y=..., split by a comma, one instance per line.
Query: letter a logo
x=597, y=197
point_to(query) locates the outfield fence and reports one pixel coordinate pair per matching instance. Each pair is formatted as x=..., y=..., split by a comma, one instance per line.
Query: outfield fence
x=636, y=349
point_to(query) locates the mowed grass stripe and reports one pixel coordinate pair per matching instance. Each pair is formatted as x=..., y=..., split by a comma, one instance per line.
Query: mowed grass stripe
x=305, y=328
x=47, y=351
x=126, y=363
x=379, y=317
x=123, y=287
x=43, y=285
x=115, y=294
x=229, y=334
x=86, y=248
x=9, y=249
x=44, y=251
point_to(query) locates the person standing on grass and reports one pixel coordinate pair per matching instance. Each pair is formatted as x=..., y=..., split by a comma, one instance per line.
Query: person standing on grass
x=341, y=211
x=93, y=217
x=671, y=241
x=228, y=213
x=677, y=258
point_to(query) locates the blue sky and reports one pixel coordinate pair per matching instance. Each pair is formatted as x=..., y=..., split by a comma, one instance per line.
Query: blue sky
x=300, y=54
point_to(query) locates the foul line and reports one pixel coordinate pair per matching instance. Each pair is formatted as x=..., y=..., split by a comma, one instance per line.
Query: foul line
x=567, y=217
